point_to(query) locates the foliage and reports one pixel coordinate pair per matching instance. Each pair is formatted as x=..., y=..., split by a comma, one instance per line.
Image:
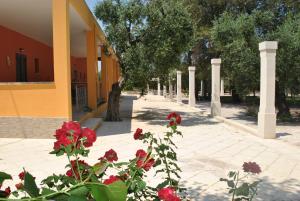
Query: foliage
x=148, y=36
x=91, y=182
x=245, y=190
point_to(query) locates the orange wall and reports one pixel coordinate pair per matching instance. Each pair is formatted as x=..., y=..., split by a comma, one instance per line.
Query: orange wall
x=79, y=65
x=11, y=42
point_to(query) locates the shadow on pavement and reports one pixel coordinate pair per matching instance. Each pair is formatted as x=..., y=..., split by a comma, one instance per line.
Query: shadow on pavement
x=158, y=117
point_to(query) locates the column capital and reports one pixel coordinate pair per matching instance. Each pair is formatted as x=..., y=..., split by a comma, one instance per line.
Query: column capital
x=216, y=61
x=178, y=72
x=268, y=45
x=192, y=68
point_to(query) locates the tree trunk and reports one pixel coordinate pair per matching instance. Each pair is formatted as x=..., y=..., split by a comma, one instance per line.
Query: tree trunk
x=113, y=107
x=281, y=103
x=235, y=96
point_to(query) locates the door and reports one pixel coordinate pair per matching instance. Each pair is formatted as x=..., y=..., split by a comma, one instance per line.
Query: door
x=21, y=67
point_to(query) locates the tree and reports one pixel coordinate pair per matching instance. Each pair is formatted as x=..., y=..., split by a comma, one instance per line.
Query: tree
x=148, y=37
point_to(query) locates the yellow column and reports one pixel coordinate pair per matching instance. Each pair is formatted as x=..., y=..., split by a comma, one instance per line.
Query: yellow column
x=61, y=54
x=104, y=73
x=91, y=69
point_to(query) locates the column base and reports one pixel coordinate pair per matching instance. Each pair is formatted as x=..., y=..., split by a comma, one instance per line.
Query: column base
x=179, y=100
x=192, y=102
x=267, y=125
x=215, y=109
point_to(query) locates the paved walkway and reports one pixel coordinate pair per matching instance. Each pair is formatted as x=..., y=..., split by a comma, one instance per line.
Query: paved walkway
x=207, y=151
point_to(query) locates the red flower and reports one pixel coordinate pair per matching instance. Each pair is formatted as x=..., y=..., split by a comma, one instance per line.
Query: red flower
x=178, y=119
x=146, y=165
x=138, y=134
x=19, y=186
x=22, y=175
x=139, y=163
x=141, y=153
x=149, y=163
x=72, y=127
x=7, y=191
x=111, y=180
x=172, y=115
x=167, y=194
x=111, y=155
x=68, y=134
x=171, y=123
x=90, y=137
x=82, y=166
x=174, y=118
x=251, y=167
x=62, y=141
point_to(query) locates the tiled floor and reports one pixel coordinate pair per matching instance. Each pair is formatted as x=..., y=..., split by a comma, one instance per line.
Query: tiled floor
x=207, y=151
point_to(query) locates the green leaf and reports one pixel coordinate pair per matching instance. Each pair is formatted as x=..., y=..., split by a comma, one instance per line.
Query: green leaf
x=230, y=183
x=80, y=191
x=4, y=176
x=47, y=191
x=243, y=190
x=99, y=193
x=116, y=191
x=76, y=198
x=30, y=186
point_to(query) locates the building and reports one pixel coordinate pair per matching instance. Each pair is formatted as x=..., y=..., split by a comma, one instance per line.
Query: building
x=54, y=61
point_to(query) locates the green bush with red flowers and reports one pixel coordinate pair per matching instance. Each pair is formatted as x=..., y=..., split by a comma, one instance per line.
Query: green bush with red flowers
x=83, y=181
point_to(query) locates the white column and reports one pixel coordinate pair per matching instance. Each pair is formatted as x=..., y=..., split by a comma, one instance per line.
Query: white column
x=178, y=92
x=170, y=89
x=267, y=114
x=201, y=88
x=165, y=91
x=215, y=87
x=222, y=87
x=158, y=87
x=192, y=100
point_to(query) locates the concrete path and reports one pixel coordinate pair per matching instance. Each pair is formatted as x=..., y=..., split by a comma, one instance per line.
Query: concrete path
x=207, y=151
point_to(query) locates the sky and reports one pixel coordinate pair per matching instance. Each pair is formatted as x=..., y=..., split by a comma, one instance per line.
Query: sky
x=91, y=4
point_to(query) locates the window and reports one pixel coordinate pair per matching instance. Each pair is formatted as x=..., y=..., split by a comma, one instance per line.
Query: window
x=36, y=65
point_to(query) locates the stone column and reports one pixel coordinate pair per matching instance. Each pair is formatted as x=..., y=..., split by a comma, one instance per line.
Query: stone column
x=201, y=88
x=215, y=87
x=222, y=87
x=148, y=89
x=170, y=89
x=192, y=99
x=267, y=114
x=158, y=87
x=165, y=91
x=178, y=92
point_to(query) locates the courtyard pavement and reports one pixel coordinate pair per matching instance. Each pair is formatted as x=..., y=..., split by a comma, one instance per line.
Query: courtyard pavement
x=207, y=151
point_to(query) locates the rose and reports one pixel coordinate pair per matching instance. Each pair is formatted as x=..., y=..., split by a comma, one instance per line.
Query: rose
x=252, y=167
x=167, y=194
x=111, y=180
x=19, y=186
x=74, y=168
x=146, y=165
x=21, y=175
x=174, y=118
x=138, y=134
x=90, y=137
x=141, y=154
x=110, y=156
x=72, y=127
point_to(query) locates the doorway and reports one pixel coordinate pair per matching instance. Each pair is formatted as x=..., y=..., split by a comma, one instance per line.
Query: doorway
x=21, y=67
